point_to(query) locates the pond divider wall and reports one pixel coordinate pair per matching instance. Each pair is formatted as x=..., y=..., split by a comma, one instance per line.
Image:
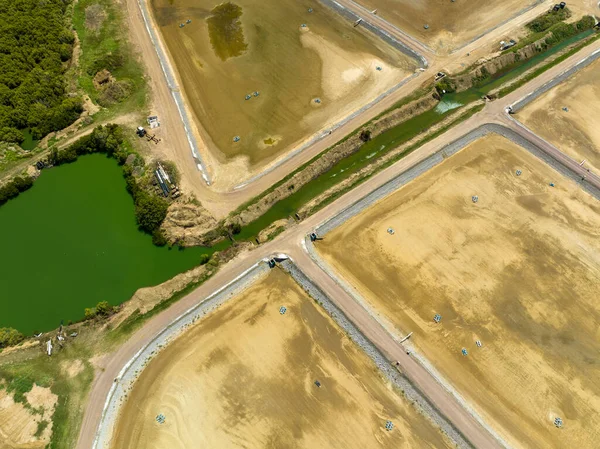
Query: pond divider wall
x=382, y=34
x=439, y=156
x=524, y=101
x=410, y=392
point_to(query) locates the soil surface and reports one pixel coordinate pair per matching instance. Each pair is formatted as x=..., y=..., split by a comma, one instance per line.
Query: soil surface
x=575, y=131
x=19, y=424
x=284, y=83
x=518, y=270
x=452, y=24
x=245, y=377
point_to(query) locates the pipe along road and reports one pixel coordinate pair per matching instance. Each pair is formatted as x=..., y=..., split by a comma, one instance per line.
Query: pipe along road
x=291, y=242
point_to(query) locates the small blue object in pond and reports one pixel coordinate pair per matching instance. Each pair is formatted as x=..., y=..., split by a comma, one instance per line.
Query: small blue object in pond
x=282, y=310
x=389, y=425
x=464, y=351
x=519, y=172
x=437, y=318
x=236, y=139
x=551, y=184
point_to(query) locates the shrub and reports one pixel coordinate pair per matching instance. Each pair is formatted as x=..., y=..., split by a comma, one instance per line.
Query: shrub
x=10, y=337
x=150, y=211
x=158, y=237
x=365, y=135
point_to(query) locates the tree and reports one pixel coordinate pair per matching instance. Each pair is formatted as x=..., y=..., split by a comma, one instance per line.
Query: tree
x=158, y=237
x=150, y=212
x=35, y=43
x=89, y=313
x=10, y=337
x=103, y=308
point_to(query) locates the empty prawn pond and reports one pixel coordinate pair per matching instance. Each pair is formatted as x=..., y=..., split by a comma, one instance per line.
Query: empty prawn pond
x=271, y=73
x=514, y=277
x=445, y=25
x=71, y=241
x=567, y=116
x=245, y=376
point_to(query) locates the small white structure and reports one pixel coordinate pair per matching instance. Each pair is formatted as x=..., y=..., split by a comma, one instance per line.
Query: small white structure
x=49, y=347
x=153, y=121
x=390, y=231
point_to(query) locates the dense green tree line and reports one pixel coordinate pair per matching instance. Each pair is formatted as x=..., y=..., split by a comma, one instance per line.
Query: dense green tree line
x=13, y=188
x=35, y=43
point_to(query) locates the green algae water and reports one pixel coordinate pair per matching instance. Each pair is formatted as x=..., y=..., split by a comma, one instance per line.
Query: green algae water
x=72, y=241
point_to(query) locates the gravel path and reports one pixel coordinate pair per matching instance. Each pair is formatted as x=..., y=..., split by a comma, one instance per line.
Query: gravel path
x=174, y=88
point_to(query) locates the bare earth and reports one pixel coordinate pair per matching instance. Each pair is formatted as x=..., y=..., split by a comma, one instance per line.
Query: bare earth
x=244, y=377
x=288, y=65
x=451, y=24
x=18, y=425
x=576, y=132
x=518, y=270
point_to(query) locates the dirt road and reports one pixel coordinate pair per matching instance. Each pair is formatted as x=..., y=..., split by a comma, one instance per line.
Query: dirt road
x=290, y=242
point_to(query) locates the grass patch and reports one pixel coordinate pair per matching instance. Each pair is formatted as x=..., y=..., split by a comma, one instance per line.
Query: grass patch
x=100, y=25
x=20, y=375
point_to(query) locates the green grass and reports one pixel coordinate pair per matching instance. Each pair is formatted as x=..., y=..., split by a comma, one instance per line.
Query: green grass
x=20, y=376
x=108, y=48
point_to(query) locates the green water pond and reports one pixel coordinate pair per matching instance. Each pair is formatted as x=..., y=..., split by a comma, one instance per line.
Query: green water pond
x=72, y=241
